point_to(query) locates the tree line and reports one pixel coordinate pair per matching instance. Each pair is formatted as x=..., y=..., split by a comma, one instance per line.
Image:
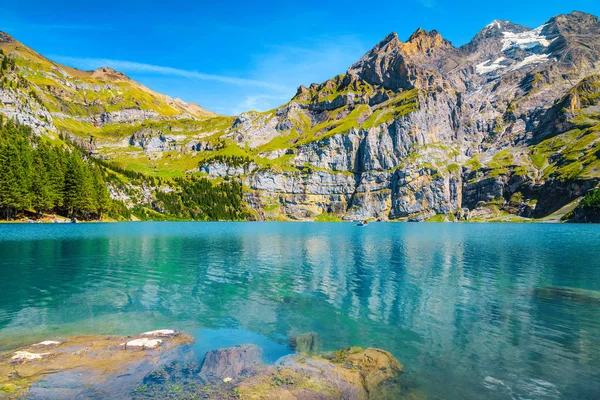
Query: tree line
x=197, y=198
x=35, y=175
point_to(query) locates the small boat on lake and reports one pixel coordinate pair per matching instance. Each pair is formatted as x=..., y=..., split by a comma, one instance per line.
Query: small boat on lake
x=363, y=223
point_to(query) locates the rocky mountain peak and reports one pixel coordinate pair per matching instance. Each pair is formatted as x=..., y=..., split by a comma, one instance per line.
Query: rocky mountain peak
x=423, y=42
x=109, y=73
x=5, y=37
x=576, y=22
x=492, y=34
x=389, y=40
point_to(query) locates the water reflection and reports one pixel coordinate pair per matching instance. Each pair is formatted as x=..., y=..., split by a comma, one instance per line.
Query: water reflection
x=455, y=303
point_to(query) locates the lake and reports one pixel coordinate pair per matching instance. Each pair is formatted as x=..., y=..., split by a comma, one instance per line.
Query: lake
x=471, y=310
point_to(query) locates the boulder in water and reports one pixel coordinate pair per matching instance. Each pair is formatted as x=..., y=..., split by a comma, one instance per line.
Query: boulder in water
x=352, y=373
x=306, y=343
x=560, y=293
x=231, y=362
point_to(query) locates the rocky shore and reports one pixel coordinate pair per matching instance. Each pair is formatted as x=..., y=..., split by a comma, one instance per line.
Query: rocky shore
x=163, y=364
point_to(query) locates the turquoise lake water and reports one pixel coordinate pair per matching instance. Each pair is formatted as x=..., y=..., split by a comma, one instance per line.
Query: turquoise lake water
x=471, y=310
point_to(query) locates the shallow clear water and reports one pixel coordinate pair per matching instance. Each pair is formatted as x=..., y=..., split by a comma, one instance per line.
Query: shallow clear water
x=456, y=303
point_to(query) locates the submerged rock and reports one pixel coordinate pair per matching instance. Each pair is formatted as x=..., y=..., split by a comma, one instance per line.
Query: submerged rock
x=352, y=373
x=559, y=293
x=84, y=366
x=104, y=367
x=231, y=362
x=306, y=343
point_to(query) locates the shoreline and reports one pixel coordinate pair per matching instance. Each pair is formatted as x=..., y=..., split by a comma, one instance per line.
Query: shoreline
x=159, y=360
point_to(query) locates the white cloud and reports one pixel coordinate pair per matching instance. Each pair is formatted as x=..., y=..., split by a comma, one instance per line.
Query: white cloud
x=314, y=60
x=260, y=102
x=270, y=80
x=289, y=66
x=130, y=66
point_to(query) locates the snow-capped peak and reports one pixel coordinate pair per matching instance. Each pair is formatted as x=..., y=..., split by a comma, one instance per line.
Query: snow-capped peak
x=525, y=40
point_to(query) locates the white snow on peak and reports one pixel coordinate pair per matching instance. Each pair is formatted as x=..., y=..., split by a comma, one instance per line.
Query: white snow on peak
x=525, y=40
x=531, y=60
x=489, y=66
x=494, y=23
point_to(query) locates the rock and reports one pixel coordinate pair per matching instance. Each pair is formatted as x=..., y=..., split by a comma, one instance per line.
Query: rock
x=85, y=366
x=306, y=343
x=568, y=294
x=375, y=366
x=352, y=373
x=231, y=362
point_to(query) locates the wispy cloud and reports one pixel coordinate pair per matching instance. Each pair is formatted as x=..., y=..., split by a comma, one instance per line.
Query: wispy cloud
x=69, y=27
x=130, y=66
x=315, y=59
x=270, y=80
x=259, y=102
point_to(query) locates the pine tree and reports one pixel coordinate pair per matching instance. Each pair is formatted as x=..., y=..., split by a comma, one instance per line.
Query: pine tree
x=101, y=193
x=9, y=181
x=41, y=186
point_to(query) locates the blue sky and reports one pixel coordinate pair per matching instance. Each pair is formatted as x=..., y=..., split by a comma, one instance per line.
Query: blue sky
x=235, y=56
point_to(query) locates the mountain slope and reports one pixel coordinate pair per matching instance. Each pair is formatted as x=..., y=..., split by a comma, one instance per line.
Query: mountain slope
x=506, y=126
x=83, y=100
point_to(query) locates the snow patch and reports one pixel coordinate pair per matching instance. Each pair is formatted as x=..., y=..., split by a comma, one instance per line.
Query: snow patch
x=489, y=66
x=531, y=60
x=495, y=23
x=525, y=40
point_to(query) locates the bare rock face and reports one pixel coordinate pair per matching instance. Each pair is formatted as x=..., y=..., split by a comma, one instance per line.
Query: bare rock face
x=231, y=362
x=5, y=37
x=508, y=90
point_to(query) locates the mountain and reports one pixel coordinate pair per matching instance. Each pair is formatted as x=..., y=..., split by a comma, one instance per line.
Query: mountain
x=505, y=127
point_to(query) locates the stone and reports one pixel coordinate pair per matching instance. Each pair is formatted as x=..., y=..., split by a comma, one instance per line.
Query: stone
x=231, y=362
x=306, y=343
x=568, y=294
x=86, y=367
x=352, y=373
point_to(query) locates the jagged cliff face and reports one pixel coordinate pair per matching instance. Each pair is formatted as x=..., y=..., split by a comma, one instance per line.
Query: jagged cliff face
x=433, y=129
x=506, y=124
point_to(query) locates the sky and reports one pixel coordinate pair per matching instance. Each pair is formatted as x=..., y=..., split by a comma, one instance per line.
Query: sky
x=235, y=56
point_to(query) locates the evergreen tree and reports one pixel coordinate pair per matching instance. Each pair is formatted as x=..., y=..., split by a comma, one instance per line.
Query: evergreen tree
x=41, y=186
x=101, y=193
